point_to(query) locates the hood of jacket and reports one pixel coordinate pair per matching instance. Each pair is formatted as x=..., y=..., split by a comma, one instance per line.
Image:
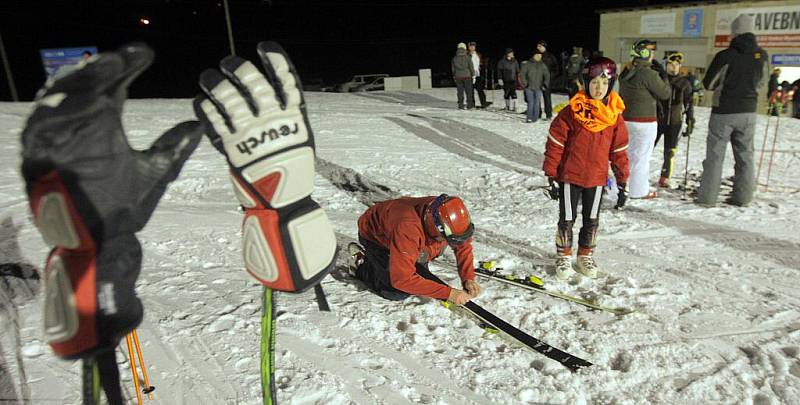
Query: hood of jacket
x=744, y=43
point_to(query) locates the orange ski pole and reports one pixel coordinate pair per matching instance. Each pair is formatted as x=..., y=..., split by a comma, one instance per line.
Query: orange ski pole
x=148, y=388
x=134, y=373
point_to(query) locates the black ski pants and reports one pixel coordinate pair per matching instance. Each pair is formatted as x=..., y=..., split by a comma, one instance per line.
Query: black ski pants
x=569, y=196
x=374, y=271
x=548, y=103
x=509, y=89
x=479, y=86
x=464, y=87
x=671, y=136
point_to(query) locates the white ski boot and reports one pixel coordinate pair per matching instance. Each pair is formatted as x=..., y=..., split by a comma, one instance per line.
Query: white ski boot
x=355, y=256
x=563, y=267
x=587, y=266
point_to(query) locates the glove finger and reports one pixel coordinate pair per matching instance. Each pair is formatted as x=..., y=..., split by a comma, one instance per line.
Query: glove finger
x=213, y=109
x=227, y=98
x=251, y=83
x=281, y=73
x=211, y=120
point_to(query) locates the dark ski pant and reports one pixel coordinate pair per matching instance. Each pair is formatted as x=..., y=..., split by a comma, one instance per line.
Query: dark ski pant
x=548, y=103
x=738, y=130
x=569, y=196
x=671, y=135
x=374, y=271
x=509, y=89
x=464, y=86
x=479, y=85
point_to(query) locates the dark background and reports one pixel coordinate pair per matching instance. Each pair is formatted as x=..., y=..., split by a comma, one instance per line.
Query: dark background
x=328, y=40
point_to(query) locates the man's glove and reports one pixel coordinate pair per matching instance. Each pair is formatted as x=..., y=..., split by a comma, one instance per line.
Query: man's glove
x=259, y=123
x=554, y=188
x=500, y=82
x=659, y=68
x=89, y=193
x=689, y=126
x=622, y=195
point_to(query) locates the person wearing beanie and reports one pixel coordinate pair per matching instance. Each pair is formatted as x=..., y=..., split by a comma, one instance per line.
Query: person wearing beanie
x=734, y=75
x=535, y=77
x=508, y=70
x=553, y=67
x=463, y=71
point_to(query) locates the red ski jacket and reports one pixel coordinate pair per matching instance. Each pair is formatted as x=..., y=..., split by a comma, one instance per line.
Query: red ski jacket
x=576, y=155
x=397, y=226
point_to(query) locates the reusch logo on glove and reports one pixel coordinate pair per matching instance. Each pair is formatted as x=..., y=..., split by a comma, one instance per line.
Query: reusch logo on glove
x=247, y=145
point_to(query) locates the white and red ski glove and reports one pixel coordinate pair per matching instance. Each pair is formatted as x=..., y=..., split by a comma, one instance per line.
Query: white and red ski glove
x=259, y=122
x=90, y=193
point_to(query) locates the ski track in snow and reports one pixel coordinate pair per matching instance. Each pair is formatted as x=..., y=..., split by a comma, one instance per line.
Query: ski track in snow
x=718, y=309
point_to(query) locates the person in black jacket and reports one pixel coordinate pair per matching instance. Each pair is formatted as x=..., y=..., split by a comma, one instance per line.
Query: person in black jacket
x=508, y=69
x=772, y=86
x=670, y=124
x=734, y=75
x=553, y=66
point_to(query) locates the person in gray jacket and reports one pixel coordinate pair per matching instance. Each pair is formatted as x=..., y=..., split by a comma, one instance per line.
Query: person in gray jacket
x=734, y=75
x=508, y=70
x=641, y=85
x=463, y=71
x=535, y=77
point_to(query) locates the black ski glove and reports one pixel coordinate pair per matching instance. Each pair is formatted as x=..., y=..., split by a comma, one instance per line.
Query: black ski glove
x=689, y=126
x=622, y=195
x=659, y=68
x=554, y=188
x=89, y=193
x=259, y=123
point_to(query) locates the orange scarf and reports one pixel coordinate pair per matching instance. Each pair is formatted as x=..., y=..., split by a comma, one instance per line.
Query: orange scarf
x=595, y=115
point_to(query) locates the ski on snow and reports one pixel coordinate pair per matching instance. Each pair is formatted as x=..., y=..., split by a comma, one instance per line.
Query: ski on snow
x=493, y=323
x=536, y=284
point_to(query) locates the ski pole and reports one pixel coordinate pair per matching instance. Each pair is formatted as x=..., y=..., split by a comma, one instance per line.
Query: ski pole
x=686, y=168
x=763, y=146
x=148, y=388
x=134, y=373
x=772, y=153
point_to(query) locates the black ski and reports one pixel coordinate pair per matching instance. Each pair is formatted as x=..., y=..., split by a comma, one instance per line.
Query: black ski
x=567, y=360
x=487, y=318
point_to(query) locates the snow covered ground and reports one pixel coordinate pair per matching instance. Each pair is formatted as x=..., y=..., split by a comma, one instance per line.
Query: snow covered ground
x=715, y=290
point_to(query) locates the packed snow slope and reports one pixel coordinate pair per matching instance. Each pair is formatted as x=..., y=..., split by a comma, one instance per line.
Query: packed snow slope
x=715, y=290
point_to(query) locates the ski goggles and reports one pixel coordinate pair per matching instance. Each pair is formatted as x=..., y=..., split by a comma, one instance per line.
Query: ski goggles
x=445, y=230
x=676, y=57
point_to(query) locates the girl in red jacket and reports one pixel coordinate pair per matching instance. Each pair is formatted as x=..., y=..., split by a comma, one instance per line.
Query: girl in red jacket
x=583, y=139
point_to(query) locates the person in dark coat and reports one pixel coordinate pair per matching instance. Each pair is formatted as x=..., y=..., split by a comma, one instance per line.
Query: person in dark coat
x=553, y=66
x=508, y=70
x=680, y=103
x=463, y=71
x=734, y=75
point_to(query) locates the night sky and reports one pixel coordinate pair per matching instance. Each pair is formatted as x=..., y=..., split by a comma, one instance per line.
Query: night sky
x=328, y=40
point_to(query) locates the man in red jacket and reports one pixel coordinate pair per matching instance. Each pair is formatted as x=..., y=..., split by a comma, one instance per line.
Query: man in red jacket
x=583, y=139
x=400, y=237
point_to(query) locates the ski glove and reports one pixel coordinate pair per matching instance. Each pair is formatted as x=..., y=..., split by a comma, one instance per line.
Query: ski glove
x=659, y=68
x=90, y=193
x=622, y=195
x=689, y=126
x=554, y=188
x=259, y=123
